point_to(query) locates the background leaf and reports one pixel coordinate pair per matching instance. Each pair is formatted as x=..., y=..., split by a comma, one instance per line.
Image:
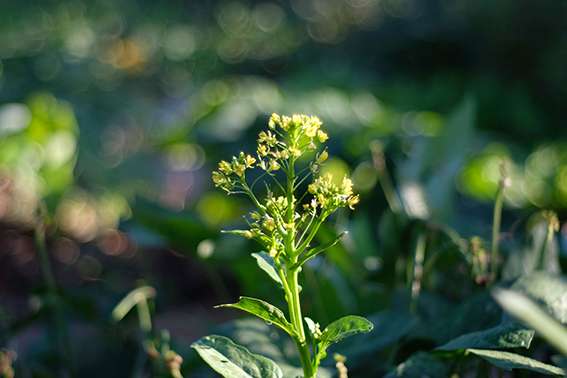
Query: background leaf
x=510, y=361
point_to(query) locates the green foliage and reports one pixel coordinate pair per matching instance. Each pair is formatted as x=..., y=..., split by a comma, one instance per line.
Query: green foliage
x=510, y=361
x=234, y=361
x=263, y=310
x=267, y=264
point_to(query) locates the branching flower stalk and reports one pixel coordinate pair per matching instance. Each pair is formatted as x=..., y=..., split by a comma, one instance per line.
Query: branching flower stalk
x=285, y=223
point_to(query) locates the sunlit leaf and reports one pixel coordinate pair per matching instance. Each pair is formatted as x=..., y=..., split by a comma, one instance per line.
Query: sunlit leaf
x=234, y=361
x=263, y=310
x=267, y=264
x=345, y=327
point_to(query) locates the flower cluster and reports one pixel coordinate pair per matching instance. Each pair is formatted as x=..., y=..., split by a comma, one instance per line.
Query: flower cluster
x=288, y=137
x=329, y=196
x=229, y=174
x=278, y=222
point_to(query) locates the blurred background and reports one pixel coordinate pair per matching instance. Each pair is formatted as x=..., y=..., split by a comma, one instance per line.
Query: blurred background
x=114, y=113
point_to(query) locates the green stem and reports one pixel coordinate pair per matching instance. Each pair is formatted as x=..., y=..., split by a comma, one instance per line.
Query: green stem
x=53, y=295
x=297, y=320
x=496, y=221
x=384, y=178
x=417, y=271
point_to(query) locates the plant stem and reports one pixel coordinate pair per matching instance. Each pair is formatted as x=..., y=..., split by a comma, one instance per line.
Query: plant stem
x=379, y=161
x=297, y=320
x=53, y=297
x=496, y=221
x=417, y=274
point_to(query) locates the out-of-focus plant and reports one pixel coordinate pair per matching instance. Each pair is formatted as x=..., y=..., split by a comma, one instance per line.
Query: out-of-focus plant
x=164, y=360
x=285, y=224
x=7, y=358
x=527, y=311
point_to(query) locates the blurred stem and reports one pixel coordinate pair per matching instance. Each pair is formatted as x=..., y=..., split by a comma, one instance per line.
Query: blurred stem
x=52, y=293
x=552, y=225
x=417, y=275
x=496, y=222
x=145, y=318
x=384, y=178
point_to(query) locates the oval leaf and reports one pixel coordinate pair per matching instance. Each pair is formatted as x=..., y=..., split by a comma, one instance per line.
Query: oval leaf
x=344, y=327
x=267, y=264
x=499, y=337
x=234, y=361
x=263, y=310
x=509, y=361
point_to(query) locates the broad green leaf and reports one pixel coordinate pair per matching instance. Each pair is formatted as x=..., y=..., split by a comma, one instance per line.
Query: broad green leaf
x=263, y=310
x=528, y=312
x=499, y=337
x=256, y=335
x=389, y=327
x=421, y=365
x=547, y=289
x=344, y=327
x=234, y=361
x=267, y=264
x=509, y=361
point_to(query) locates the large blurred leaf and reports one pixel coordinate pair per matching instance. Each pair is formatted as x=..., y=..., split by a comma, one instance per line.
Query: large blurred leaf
x=442, y=321
x=547, y=289
x=234, y=361
x=421, y=365
x=528, y=312
x=499, y=337
x=263, y=310
x=183, y=230
x=510, y=361
x=434, y=163
x=524, y=260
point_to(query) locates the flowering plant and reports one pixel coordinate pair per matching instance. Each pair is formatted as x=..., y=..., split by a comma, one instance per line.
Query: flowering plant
x=285, y=224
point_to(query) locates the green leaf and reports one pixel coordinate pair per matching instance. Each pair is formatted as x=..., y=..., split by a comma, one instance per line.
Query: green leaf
x=256, y=335
x=263, y=310
x=499, y=337
x=344, y=327
x=421, y=365
x=529, y=313
x=268, y=265
x=234, y=361
x=509, y=361
x=549, y=290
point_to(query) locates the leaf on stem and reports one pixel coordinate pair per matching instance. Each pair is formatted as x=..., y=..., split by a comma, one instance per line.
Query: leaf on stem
x=234, y=361
x=342, y=328
x=263, y=310
x=268, y=265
